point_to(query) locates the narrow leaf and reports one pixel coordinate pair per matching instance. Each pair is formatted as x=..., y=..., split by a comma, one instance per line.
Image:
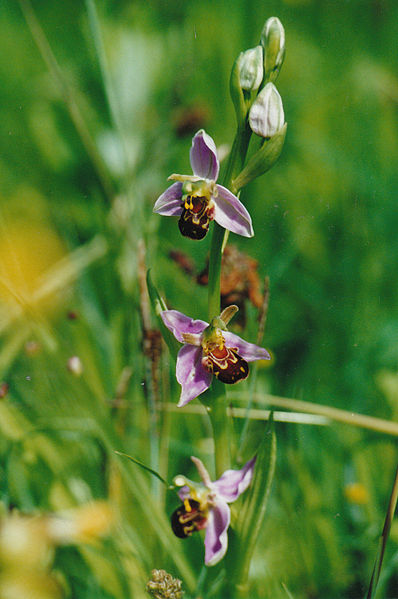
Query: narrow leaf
x=158, y=306
x=252, y=514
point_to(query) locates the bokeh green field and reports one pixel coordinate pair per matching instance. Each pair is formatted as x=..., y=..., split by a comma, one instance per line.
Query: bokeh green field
x=98, y=104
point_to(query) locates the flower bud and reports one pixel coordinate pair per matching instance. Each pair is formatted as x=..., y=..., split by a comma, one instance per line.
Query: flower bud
x=246, y=77
x=273, y=41
x=75, y=366
x=251, y=69
x=266, y=115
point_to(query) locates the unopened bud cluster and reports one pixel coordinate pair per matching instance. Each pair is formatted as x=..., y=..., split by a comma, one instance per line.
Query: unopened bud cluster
x=163, y=586
x=253, y=92
x=257, y=102
x=266, y=116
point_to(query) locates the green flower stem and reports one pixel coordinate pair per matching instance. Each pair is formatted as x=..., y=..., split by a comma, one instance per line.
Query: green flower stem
x=217, y=406
x=235, y=165
x=221, y=425
x=215, y=270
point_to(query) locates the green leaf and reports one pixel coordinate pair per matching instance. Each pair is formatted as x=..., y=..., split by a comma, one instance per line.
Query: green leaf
x=158, y=306
x=252, y=515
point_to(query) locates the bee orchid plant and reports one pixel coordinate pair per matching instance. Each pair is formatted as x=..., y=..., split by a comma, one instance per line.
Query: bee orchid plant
x=211, y=357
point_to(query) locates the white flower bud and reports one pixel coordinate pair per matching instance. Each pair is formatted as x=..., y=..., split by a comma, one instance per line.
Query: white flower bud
x=266, y=116
x=251, y=69
x=273, y=42
x=75, y=366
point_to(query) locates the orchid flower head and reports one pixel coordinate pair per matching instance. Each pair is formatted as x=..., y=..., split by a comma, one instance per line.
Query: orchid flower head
x=209, y=350
x=197, y=199
x=205, y=506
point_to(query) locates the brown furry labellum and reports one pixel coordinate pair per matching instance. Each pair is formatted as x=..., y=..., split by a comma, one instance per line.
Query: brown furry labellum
x=187, y=519
x=194, y=221
x=226, y=365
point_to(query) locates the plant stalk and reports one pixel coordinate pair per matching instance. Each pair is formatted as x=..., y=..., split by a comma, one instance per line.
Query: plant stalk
x=217, y=407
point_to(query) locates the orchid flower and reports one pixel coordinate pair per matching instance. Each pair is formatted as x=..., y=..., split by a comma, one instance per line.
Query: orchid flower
x=197, y=199
x=209, y=350
x=205, y=505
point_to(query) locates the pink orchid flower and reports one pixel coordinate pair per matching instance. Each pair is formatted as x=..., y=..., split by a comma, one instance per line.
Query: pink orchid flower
x=197, y=199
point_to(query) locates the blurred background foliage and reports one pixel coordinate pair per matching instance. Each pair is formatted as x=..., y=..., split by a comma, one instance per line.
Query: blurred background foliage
x=98, y=105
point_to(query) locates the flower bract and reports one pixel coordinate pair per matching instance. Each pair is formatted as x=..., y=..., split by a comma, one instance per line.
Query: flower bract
x=197, y=199
x=209, y=350
x=205, y=506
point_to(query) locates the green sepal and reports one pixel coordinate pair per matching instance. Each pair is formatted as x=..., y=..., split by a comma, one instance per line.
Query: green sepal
x=262, y=160
x=158, y=306
x=236, y=92
x=244, y=82
x=147, y=468
x=252, y=514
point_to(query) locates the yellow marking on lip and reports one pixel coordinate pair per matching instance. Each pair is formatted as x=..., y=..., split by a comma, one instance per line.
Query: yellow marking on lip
x=188, y=204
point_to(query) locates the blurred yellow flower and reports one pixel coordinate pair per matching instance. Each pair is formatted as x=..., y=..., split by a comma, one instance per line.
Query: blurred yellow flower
x=28, y=250
x=28, y=584
x=23, y=541
x=356, y=493
x=82, y=524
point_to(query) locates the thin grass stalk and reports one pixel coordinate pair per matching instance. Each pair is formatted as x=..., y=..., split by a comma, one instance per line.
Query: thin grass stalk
x=392, y=504
x=290, y=417
x=369, y=422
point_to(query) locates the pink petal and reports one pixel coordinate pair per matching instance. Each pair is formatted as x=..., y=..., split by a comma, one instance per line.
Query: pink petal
x=231, y=214
x=233, y=482
x=191, y=375
x=247, y=351
x=178, y=324
x=169, y=203
x=203, y=156
x=216, y=539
